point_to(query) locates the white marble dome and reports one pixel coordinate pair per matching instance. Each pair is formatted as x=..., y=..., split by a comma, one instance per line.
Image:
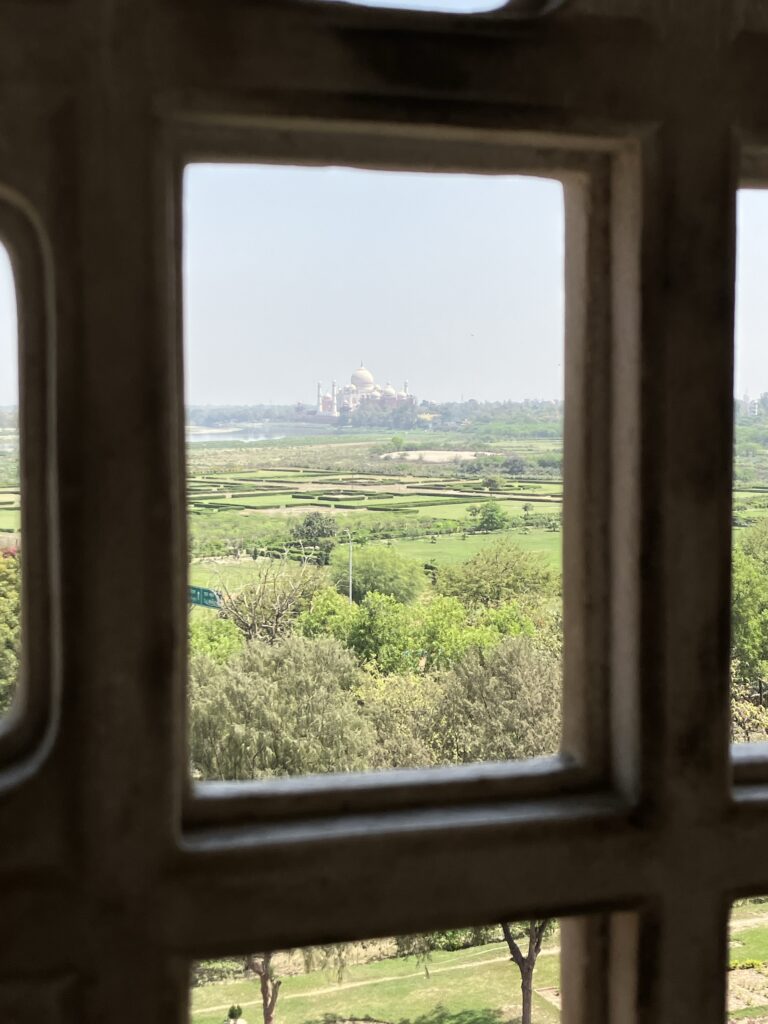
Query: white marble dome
x=362, y=379
x=388, y=390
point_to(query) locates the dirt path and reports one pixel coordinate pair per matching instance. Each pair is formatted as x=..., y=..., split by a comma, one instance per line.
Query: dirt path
x=373, y=981
x=748, y=922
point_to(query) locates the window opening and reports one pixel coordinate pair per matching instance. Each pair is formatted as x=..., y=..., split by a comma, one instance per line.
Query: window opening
x=438, y=6
x=748, y=960
x=749, y=618
x=374, y=425
x=482, y=975
x=10, y=490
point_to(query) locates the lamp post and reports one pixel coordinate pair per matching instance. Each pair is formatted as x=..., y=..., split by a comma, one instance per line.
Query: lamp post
x=349, y=538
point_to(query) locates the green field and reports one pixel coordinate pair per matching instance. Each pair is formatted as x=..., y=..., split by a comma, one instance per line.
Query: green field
x=748, y=988
x=474, y=986
x=452, y=549
x=471, y=986
x=243, y=498
x=234, y=573
x=10, y=519
x=231, y=574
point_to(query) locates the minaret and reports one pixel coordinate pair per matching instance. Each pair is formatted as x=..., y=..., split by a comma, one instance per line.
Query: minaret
x=319, y=396
x=334, y=410
x=405, y=387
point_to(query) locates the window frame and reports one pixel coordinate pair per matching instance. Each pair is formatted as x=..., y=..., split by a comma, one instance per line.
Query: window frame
x=585, y=167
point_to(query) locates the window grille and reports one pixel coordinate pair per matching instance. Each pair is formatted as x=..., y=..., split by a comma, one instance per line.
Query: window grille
x=114, y=872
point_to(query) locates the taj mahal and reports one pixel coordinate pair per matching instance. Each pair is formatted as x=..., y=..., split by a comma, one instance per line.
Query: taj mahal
x=361, y=390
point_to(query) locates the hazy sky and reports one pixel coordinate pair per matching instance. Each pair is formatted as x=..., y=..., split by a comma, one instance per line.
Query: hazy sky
x=295, y=275
x=455, y=283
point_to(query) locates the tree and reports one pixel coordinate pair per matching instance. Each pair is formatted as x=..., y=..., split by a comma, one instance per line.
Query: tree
x=316, y=531
x=514, y=466
x=269, y=983
x=501, y=704
x=276, y=594
x=10, y=628
x=526, y=964
x=749, y=635
x=384, y=634
x=496, y=705
x=330, y=614
x=488, y=517
x=283, y=709
x=380, y=569
x=404, y=711
x=749, y=620
x=501, y=572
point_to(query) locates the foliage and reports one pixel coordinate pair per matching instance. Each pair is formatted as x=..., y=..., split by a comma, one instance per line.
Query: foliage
x=392, y=637
x=465, y=938
x=749, y=635
x=745, y=965
x=282, y=709
x=209, y=972
x=235, y=1012
x=404, y=711
x=490, y=516
x=383, y=634
x=330, y=614
x=447, y=629
x=501, y=704
x=278, y=592
x=214, y=636
x=378, y=569
x=500, y=573
x=10, y=628
x=316, y=531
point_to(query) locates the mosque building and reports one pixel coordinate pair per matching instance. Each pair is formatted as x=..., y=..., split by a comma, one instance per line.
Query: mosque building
x=361, y=390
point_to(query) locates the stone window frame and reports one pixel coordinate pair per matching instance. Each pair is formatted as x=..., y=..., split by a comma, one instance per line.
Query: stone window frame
x=104, y=853
x=584, y=170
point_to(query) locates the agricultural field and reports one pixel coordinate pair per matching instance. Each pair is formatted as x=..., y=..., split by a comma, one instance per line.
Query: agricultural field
x=246, y=498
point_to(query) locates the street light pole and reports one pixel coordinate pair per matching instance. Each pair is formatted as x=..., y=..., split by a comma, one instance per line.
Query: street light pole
x=349, y=538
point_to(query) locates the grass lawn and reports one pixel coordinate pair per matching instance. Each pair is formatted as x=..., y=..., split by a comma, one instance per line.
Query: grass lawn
x=475, y=986
x=10, y=519
x=748, y=941
x=511, y=505
x=445, y=551
x=752, y=944
x=229, y=574
x=452, y=549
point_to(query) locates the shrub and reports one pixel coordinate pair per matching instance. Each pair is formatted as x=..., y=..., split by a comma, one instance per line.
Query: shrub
x=745, y=965
x=377, y=569
x=208, y=972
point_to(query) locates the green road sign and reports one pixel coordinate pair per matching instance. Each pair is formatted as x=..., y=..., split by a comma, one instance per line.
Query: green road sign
x=204, y=597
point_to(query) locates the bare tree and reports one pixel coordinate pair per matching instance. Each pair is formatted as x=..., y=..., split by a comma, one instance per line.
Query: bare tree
x=262, y=966
x=278, y=591
x=527, y=964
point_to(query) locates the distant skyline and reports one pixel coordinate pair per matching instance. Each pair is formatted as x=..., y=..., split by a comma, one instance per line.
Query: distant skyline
x=294, y=275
